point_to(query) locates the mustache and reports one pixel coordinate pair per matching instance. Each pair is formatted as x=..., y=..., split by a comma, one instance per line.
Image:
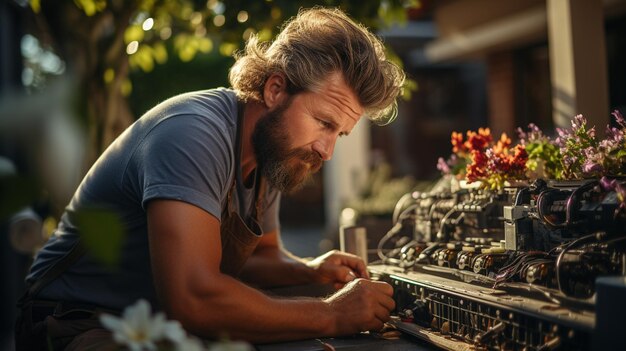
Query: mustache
x=310, y=157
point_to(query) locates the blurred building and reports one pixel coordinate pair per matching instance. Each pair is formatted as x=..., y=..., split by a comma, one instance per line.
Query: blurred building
x=503, y=65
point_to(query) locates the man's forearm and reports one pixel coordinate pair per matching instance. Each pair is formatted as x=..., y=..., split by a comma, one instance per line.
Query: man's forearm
x=241, y=312
x=273, y=267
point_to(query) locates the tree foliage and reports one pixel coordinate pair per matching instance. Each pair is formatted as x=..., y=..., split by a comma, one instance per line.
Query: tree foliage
x=102, y=41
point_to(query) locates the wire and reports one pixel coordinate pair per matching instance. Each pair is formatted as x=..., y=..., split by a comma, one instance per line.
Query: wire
x=545, y=292
x=398, y=207
x=518, y=196
x=571, y=244
x=572, y=200
x=570, y=204
x=443, y=222
x=397, y=227
x=379, y=250
x=540, y=208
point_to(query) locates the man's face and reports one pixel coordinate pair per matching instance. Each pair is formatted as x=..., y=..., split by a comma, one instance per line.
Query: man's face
x=285, y=168
x=293, y=139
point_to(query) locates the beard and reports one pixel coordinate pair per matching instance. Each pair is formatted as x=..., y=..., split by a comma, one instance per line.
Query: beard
x=284, y=168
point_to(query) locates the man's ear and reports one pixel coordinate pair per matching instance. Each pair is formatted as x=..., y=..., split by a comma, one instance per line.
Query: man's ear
x=275, y=90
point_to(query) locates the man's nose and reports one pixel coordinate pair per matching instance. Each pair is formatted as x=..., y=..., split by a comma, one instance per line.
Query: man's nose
x=324, y=148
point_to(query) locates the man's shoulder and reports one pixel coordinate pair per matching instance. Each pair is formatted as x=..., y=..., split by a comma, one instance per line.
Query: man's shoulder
x=222, y=97
x=214, y=105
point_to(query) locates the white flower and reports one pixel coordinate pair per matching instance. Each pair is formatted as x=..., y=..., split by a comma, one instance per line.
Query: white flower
x=231, y=346
x=138, y=330
x=190, y=344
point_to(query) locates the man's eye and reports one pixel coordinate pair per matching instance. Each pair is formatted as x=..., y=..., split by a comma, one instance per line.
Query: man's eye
x=324, y=124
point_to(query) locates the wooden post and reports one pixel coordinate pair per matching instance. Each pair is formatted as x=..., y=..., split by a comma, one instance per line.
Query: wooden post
x=578, y=62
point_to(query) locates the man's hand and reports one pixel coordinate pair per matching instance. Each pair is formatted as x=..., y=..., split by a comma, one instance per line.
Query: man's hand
x=338, y=268
x=361, y=305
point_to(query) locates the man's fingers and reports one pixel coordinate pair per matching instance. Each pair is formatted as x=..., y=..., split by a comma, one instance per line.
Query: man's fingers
x=362, y=269
x=385, y=297
x=355, y=263
x=388, y=303
x=382, y=314
x=382, y=287
x=341, y=274
x=350, y=276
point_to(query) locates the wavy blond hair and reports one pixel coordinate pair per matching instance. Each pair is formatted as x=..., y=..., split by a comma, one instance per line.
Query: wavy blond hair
x=311, y=46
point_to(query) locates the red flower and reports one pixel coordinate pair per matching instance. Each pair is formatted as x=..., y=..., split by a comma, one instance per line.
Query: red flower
x=477, y=169
x=478, y=141
x=457, y=143
x=518, y=160
x=502, y=145
x=491, y=163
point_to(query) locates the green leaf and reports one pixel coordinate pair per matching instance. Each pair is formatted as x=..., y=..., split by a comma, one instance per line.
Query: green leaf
x=265, y=34
x=391, y=12
x=159, y=53
x=205, y=45
x=147, y=5
x=187, y=53
x=133, y=33
x=126, y=88
x=102, y=234
x=91, y=7
x=227, y=49
x=409, y=87
x=180, y=41
x=143, y=59
x=35, y=5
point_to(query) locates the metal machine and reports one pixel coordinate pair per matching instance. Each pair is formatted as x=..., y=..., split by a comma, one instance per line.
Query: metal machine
x=532, y=267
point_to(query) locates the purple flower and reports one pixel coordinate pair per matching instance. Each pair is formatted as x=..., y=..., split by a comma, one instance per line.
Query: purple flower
x=569, y=160
x=592, y=132
x=578, y=121
x=614, y=133
x=442, y=166
x=607, y=183
x=534, y=135
x=522, y=136
x=533, y=127
x=619, y=188
x=614, y=138
x=590, y=167
x=561, y=140
x=619, y=118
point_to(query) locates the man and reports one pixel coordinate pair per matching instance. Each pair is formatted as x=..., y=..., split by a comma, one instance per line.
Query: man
x=196, y=183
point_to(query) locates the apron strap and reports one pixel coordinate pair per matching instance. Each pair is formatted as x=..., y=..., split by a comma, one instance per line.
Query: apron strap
x=60, y=266
x=260, y=182
x=259, y=206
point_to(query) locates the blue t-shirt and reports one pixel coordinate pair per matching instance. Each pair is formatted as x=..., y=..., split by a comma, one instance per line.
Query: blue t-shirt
x=182, y=149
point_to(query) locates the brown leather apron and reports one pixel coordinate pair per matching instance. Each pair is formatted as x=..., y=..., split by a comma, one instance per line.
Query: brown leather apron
x=238, y=238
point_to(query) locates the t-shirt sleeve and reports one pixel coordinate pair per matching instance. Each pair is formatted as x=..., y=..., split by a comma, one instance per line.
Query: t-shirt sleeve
x=186, y=158
x=272, y=209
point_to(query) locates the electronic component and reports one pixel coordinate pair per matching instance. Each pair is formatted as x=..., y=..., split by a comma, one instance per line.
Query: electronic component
x=514, y=270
